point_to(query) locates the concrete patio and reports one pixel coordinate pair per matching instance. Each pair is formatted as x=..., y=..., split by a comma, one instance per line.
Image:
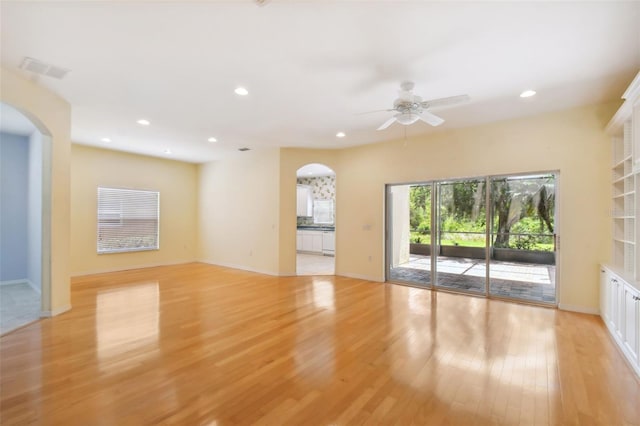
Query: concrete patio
x=526, y=281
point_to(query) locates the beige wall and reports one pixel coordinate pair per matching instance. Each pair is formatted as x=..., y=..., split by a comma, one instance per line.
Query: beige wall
x=177, y=183
x=572, y=142
x=52, y=115
x=238, y=211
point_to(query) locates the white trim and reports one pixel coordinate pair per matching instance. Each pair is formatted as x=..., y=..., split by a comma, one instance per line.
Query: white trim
x=9, y=282
x=54, y=312
x=34, y=287
x=617, y=121
x=128, y=268
x=633, y=91
x=580, y=309
x=240, y=267
x=22, y=281
x=360, y=277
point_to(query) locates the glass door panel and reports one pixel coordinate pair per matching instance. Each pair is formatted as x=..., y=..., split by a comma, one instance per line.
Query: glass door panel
x=523, y=258
x=460, y=260
x=409, y=233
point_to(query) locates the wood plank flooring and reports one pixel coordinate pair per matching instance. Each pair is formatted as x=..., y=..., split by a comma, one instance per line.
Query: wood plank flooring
x=203, y=345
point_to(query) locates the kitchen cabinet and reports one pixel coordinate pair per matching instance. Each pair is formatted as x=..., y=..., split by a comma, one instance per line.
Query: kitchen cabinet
x=620, y=311
x=328, y=242
x=304, y=201
x=631, y=321
x=299, y=240
x=320, y=242
x=309, y=241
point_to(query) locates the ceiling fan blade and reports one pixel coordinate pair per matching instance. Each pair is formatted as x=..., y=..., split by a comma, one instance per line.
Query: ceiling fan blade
x=387, y=123
x=441, y=102
x=430, y=118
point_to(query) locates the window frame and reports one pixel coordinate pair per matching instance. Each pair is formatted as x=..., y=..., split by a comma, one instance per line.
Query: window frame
x=116, y=218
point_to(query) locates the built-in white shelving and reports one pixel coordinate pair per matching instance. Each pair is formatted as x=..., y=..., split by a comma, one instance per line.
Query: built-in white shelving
x=619, y=288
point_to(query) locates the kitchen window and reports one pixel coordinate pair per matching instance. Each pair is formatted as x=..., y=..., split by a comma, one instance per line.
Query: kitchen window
x=128, y=220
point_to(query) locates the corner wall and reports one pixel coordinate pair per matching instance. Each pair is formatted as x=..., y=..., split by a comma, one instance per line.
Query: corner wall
x=238, y=208
x=177, y=183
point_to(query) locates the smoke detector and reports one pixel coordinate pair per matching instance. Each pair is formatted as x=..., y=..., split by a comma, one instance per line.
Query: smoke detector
x=42, y=68
x=244, y=149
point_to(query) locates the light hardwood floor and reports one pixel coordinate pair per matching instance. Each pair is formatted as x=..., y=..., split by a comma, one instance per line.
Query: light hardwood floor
x=203, y=345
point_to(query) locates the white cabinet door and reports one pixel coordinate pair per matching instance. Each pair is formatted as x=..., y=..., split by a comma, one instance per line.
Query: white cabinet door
x=328, y=242
x=631, y=324
x=605, y=295
x=310, y=241
x=299, y=240
x=616, y=304
x=307, y=241
x=317, y=242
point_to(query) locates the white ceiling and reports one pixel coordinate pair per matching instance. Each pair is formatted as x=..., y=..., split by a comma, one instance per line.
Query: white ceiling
x=312, y=66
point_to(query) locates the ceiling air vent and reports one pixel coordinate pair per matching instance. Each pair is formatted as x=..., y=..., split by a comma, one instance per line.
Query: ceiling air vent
x=244, y=149
x=38, y=67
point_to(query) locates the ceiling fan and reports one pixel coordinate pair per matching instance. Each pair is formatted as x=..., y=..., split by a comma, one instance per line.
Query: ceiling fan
x=410, y=108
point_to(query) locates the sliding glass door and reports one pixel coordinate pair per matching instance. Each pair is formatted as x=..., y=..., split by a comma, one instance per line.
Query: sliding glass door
x=523, y=253
x=409, y=233
x=492, y=236
x=460, y=257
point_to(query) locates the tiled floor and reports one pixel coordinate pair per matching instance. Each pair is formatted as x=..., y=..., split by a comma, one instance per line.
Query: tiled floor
x=19, y=305
x=313, y=264
x=515, y=280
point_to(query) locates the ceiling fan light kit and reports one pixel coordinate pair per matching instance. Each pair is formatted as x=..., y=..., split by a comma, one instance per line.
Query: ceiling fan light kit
x=411, y=108
x=406, y=118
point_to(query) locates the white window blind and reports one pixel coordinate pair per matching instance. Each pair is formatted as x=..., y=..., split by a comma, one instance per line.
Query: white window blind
x=128, y=220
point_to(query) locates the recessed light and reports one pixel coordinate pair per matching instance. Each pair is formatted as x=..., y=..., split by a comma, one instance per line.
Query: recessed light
x=527, y=93
x=167, y=151
x=241, y=91
x=340, y=135
x=143, y=122
x=212, y=140
x=105, y=140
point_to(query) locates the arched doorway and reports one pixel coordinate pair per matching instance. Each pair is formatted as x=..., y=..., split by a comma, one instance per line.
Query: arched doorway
x=25, y=220
x=315, y=220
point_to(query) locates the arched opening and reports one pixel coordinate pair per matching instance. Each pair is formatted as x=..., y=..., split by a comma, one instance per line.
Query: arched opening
x=315, y=220
x=25, y=211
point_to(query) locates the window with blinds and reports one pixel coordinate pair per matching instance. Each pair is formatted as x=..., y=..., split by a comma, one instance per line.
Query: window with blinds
x=128, y=220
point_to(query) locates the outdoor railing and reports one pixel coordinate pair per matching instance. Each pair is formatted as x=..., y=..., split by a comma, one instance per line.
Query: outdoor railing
x=518, y=241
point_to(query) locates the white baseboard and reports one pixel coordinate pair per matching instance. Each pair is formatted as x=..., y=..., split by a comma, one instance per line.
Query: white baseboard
x=9, y=282
x=22, y=281
x=36, y=288
x=240, y=267
x=580, y=309
x=360, y=277
x=56, y=311
x=128, y=268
